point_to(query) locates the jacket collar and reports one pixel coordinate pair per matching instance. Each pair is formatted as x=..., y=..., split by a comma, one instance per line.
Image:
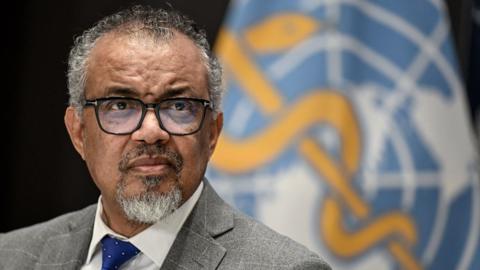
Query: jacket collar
x=195, y=246
x=68, y=249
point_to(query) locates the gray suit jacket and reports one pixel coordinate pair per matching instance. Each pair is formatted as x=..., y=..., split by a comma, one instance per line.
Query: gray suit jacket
x=215, y=236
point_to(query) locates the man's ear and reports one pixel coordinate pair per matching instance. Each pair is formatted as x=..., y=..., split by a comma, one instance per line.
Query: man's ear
x=215, y=130
x=75, y=129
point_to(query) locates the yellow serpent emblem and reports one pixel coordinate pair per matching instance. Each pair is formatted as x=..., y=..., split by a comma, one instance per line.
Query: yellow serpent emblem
x=396, y=230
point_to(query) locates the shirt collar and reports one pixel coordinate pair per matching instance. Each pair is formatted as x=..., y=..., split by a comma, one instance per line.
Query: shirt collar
x=155, y=241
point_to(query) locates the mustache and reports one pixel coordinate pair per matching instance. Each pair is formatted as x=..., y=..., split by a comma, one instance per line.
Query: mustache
x=157, y=150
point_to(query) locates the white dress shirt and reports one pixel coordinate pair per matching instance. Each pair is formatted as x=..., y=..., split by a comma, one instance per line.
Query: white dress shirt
x=154, y=242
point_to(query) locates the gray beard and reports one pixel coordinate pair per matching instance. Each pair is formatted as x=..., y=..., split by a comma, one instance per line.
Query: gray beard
x=149, y=207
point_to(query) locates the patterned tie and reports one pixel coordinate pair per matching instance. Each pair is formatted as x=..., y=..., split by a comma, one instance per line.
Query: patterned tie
x=116, y=252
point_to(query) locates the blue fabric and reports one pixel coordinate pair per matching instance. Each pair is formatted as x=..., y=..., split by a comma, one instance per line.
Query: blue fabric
x=116, y=252
x=378, y=77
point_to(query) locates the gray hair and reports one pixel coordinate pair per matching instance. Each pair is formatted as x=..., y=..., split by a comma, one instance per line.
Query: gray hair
x=158, y=23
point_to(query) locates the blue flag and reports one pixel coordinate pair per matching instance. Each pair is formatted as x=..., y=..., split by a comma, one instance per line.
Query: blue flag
x=346, y=129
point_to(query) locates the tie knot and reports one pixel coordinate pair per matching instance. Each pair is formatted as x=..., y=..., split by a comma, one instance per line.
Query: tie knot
x=116, y=252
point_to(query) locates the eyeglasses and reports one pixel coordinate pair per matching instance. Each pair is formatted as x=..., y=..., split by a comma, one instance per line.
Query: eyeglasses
x=124, y=115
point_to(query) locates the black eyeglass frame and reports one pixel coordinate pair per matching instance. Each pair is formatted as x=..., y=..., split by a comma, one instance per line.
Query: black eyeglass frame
x=145, y=106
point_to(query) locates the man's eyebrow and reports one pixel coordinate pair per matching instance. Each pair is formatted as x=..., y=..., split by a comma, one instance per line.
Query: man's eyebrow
x=119, y=91
x=176, y=92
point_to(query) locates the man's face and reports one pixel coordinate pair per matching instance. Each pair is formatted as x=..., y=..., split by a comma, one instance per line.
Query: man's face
x=149, y=160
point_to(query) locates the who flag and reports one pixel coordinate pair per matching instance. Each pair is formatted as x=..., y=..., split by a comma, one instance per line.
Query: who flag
x=346, y=129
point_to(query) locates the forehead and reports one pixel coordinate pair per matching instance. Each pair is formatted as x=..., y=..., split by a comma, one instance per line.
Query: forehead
x=145, y=64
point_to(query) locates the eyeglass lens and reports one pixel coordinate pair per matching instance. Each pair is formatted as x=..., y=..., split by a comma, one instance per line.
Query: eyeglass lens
x=177, y=116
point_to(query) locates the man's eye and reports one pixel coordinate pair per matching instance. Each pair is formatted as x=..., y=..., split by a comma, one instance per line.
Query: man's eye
x=120, y=105
x=180, y=105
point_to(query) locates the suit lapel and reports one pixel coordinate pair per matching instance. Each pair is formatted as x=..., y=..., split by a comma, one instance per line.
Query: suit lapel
x=195, y=246
x=69, y=250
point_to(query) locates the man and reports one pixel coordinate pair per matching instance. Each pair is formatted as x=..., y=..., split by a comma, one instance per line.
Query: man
x=145, y=116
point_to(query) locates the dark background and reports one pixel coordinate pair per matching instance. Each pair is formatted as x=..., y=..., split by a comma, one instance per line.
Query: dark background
x=42, y=175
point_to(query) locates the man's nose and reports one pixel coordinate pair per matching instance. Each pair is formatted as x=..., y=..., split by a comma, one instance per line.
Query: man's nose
x=150, y=131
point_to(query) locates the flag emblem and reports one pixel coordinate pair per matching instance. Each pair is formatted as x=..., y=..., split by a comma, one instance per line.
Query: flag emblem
x=345, y=128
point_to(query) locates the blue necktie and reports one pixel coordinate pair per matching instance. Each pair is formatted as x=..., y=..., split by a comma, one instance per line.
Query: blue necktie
x=116, y=252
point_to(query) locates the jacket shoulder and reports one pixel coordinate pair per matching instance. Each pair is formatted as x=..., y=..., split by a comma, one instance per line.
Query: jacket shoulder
x=27, y=243
x=259, y=247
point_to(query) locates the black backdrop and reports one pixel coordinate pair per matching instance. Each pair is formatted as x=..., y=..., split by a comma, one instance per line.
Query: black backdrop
x=42, y=175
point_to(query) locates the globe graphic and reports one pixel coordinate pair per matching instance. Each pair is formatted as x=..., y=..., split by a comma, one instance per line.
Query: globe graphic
x=389, y=71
